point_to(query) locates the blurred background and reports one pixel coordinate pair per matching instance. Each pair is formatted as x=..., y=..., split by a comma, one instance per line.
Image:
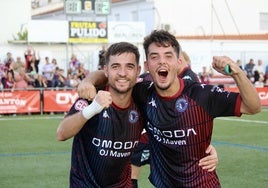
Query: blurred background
x=60, y=28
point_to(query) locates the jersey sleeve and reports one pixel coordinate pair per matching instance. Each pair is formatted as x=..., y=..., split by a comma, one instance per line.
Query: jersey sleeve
x=141, y=91
x=217, y=101
x=78, y=106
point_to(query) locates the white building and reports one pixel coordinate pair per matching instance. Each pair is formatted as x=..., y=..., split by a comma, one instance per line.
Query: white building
x=204, y=28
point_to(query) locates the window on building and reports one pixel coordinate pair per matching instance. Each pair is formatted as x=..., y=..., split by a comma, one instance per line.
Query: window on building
x=263, y=21
x=134, y=16
x=35, y=4
x=117, y=17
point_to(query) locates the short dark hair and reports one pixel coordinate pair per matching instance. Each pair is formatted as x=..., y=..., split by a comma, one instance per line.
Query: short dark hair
x=161, y=38
x=122, y=47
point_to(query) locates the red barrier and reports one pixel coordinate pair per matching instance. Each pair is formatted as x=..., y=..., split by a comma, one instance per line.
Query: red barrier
x=59, y=101
x=263, y=94
x=20, y=102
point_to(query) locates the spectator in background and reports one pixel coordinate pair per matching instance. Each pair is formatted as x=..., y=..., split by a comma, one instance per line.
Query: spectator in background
x=55, y=64
x=258, y=71
x=10, y=81
x=18, y=65
x=266, y=76
x=20, y=76
x=28, y=54
x=48, y=71
x=21, y=79
x=74, y=63
x=32, y=70
x=74, y=81
x=32, y=73
x=2, y=75
x=58, y=78
x=186, y=58
x=67, y=82
x=33, y=61
x=40, y=81
x=81, y=71
x=204, y=75
x=101, y=58
x=249, y=69
x=8, y=60
x=239, y=63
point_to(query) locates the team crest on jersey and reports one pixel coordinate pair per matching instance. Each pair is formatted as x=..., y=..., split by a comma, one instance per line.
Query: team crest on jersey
x=80, y=104
x=133, y=116
x=181, y=104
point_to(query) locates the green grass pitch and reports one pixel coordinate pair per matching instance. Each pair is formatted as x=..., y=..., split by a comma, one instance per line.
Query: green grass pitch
x=30, y=155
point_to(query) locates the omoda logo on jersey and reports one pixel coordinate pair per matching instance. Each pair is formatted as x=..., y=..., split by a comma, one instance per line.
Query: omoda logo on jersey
x=181, y=104
x=133, y=116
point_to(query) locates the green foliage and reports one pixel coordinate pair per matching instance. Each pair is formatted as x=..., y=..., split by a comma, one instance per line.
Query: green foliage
x=21, y=35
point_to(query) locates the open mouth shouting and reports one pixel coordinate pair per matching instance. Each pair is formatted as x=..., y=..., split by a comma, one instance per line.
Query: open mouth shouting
x=162, y=73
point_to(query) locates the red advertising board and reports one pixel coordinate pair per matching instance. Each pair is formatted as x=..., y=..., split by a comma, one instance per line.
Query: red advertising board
x=59, y=101
x=19, y=102
x=263, y=94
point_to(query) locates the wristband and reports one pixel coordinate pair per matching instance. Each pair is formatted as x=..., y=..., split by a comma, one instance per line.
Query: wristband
x=91, y=110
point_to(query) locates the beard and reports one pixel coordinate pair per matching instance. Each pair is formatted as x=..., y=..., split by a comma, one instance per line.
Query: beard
x=162, y=88
x=121, y=90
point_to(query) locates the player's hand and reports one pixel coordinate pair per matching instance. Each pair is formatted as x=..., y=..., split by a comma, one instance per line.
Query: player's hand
x=103, y=98
x=220, y=62
x=209, y=162
x=86, y=90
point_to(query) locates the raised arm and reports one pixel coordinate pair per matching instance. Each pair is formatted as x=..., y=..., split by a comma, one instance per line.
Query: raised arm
x=250, y=99
x=87, y=88
x=72, y=124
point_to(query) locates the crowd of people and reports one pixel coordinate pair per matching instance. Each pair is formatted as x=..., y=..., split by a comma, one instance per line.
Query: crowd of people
x=256, y=73
x=24, y=73
x=27, y=73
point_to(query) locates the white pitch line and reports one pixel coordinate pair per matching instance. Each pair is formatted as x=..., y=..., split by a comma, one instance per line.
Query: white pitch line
x=243, y=120
x=25, y=118
x=61, y=117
